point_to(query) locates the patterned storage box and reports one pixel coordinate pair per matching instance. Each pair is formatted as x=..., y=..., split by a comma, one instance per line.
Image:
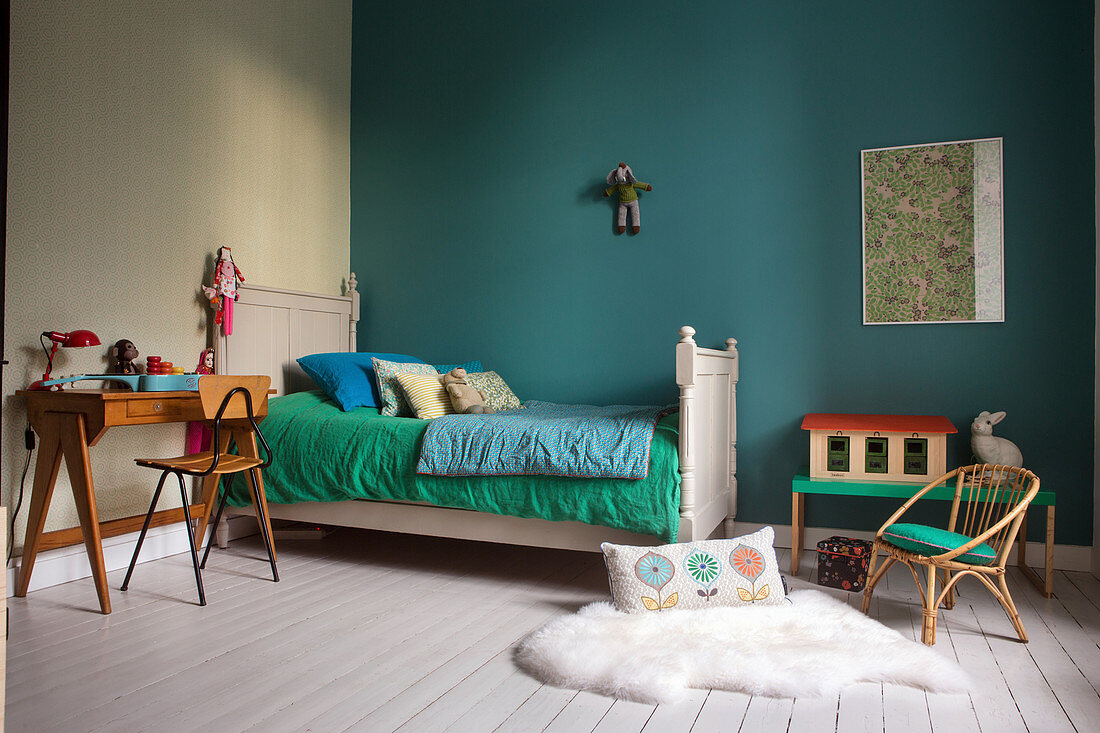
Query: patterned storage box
x=842, y=563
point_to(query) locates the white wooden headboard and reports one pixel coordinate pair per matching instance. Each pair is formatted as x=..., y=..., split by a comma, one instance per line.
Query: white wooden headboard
x=273, y=327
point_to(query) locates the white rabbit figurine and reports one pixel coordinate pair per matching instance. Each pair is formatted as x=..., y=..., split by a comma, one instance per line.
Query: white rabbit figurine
x=989, y=448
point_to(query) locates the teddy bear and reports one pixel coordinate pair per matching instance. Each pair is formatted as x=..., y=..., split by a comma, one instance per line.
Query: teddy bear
x=464, y=399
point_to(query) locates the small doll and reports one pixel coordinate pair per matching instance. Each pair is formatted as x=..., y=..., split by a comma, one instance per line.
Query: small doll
x=206, y=362
x=622, y=179
x=198, y=435
x=224, y=293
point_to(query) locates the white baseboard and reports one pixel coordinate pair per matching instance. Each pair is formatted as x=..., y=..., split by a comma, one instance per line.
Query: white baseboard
x=1066, y=557
x=64, y=564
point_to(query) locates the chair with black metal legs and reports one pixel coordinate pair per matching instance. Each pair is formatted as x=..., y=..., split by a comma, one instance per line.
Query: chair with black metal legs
x=218, y=394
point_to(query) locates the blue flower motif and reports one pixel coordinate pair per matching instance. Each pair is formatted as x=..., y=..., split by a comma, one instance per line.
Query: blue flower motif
x=654, y=570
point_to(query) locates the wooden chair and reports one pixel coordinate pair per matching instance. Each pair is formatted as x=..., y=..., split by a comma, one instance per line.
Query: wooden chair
x=217, y=394
x=988, y=507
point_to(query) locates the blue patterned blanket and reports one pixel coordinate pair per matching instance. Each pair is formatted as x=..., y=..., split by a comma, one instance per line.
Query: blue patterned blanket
x=543, y=439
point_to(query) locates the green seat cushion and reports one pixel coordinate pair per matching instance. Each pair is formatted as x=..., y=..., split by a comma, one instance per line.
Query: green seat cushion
x=929, y=541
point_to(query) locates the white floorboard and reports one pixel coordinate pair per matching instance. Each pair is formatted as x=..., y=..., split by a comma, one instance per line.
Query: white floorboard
x=369, y=631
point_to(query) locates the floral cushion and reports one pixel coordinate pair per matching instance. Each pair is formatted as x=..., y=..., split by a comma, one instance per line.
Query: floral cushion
x=737, y=572
x=394, y=403
x=497, y=394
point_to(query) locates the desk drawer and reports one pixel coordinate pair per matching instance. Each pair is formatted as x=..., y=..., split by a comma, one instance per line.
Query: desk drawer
x=164, y=409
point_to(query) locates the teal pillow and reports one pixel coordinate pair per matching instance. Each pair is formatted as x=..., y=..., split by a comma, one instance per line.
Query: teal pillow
x=929, y=541
x=470, y=367
x=348, y=378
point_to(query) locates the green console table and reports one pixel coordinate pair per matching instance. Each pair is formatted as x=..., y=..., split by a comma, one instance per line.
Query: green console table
x=802, y=484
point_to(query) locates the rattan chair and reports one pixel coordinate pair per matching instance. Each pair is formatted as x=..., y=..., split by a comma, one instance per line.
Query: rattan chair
x=217, y=393
x=988, y=507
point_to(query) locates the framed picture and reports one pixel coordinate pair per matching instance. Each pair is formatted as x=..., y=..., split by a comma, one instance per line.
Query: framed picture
x=933, y=233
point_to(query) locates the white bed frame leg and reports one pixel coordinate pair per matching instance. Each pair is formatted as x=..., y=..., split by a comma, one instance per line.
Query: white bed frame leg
x=731, y=346
x=221, y=535
x=685, y=377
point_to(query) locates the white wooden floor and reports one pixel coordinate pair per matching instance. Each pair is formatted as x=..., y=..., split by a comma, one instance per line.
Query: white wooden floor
x=370, y=631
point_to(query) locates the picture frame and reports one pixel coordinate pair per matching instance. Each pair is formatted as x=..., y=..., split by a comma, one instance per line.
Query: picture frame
x=933, y=233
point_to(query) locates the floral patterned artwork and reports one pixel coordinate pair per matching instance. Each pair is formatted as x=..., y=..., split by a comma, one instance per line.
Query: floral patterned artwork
x=932, y=240
x=655, y=571
x=749, y=563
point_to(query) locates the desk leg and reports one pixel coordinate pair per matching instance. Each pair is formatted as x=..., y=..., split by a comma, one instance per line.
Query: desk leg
x=46, y=468
x=246, y=444
x=798, y=505
x=1045, y=585
x=74, y=445
x=210, y=491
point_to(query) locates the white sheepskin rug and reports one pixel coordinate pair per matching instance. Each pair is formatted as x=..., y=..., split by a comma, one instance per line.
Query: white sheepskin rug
x=813, y=646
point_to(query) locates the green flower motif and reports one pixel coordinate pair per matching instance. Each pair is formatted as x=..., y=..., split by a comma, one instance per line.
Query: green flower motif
x=703, y=567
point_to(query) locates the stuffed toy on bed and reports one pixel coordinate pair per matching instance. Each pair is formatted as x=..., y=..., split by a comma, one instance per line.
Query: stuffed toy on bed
x=622, y=179
x=464, y=399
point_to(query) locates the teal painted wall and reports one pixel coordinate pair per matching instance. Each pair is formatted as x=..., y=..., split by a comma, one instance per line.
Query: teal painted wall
x=481, y=134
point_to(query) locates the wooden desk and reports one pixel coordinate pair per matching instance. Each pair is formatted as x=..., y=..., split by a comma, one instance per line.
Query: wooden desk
x=802, y=484
x=71, y=421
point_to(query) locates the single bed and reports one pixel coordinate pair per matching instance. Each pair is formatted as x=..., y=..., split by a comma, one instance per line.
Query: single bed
x=274, y=327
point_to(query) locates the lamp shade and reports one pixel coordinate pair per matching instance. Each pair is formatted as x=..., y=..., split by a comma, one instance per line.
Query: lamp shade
x=78, y=338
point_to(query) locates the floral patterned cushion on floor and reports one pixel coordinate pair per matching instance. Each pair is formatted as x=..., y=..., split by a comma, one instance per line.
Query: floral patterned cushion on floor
x=736, y=572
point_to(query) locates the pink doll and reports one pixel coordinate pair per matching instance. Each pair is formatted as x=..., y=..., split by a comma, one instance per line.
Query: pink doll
x=224, y=293
x=198, y=435
x=206, y=362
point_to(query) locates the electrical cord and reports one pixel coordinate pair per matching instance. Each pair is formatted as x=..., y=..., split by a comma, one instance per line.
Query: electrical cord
x=49, y=356
x=19, y=501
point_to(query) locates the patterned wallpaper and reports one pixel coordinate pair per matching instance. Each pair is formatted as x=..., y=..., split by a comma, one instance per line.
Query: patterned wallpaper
x=144, y=135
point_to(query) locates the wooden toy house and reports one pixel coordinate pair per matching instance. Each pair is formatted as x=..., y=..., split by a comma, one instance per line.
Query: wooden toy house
x=878, y=447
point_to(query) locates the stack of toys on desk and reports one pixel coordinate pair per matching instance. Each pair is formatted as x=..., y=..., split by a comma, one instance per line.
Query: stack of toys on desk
x=160, y=375
x=154, y=365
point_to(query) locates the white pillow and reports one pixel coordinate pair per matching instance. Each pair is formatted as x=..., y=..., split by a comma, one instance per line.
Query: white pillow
x=736, y=572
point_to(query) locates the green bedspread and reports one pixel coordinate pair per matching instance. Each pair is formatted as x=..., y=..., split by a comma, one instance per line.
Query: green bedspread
x=325, y=454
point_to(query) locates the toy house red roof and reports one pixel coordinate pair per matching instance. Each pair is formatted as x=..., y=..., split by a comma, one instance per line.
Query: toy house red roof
x=882, y=423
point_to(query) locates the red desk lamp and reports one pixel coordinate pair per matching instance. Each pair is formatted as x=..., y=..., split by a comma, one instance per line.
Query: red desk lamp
x=73, y=338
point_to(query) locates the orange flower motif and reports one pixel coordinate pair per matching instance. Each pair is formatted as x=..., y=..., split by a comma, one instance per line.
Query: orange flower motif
x=747, y=561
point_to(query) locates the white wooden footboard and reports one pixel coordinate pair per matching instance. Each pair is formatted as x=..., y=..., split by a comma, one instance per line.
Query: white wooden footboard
x=708, y=436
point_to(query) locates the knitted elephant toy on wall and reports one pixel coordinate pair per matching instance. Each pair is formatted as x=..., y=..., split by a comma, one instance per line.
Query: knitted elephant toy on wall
x=622, y=179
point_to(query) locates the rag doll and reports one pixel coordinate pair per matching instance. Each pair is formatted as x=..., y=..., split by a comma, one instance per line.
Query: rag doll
x=224, y=292
x=622, y=179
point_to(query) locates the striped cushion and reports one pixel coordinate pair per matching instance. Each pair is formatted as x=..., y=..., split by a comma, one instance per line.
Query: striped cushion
x=426, y=394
